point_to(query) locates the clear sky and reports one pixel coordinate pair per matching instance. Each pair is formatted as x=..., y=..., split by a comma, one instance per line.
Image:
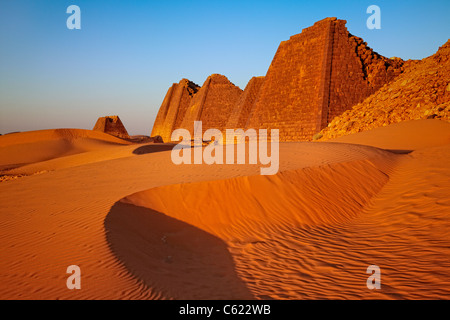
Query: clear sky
x=128, y=53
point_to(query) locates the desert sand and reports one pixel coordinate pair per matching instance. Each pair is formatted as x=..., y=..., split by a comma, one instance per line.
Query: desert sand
x=140, y=227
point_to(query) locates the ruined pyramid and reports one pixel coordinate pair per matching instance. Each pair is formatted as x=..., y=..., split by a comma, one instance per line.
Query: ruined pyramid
x=111, y=125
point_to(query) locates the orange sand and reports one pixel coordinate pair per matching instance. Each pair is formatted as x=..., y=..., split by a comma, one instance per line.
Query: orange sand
x=140, y=227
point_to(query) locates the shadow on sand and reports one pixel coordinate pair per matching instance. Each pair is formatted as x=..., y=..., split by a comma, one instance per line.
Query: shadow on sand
x=172, y=258
x=151, y=148
x=398, y=151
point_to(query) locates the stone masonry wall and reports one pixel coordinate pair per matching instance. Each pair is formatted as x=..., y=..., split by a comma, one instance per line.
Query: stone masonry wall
x=221, y=97
x=241, y=110
x=293, y=86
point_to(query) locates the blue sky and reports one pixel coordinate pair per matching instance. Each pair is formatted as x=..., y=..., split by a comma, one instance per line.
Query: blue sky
x=128, y=53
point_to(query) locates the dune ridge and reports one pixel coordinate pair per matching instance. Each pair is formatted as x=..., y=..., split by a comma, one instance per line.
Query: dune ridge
x=239, y=214
x=317, y=240
x=245, y=208
x=23, y=153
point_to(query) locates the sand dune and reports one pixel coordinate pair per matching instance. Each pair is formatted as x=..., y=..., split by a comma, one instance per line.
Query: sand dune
x=298, y=235
x=408, y=135
x=241, y=214
x=141, y=227
x=65, y=148
x=22, y=148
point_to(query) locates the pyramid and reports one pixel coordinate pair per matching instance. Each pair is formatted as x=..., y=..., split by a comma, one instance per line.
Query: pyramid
x=173, y=108
x=314, y=76
x=186, y=102
x=241, y=111
x=213, y=103
x=111, y=125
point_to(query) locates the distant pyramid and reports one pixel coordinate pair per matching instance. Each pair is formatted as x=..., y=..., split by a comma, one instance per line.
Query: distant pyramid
x=112, y=125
